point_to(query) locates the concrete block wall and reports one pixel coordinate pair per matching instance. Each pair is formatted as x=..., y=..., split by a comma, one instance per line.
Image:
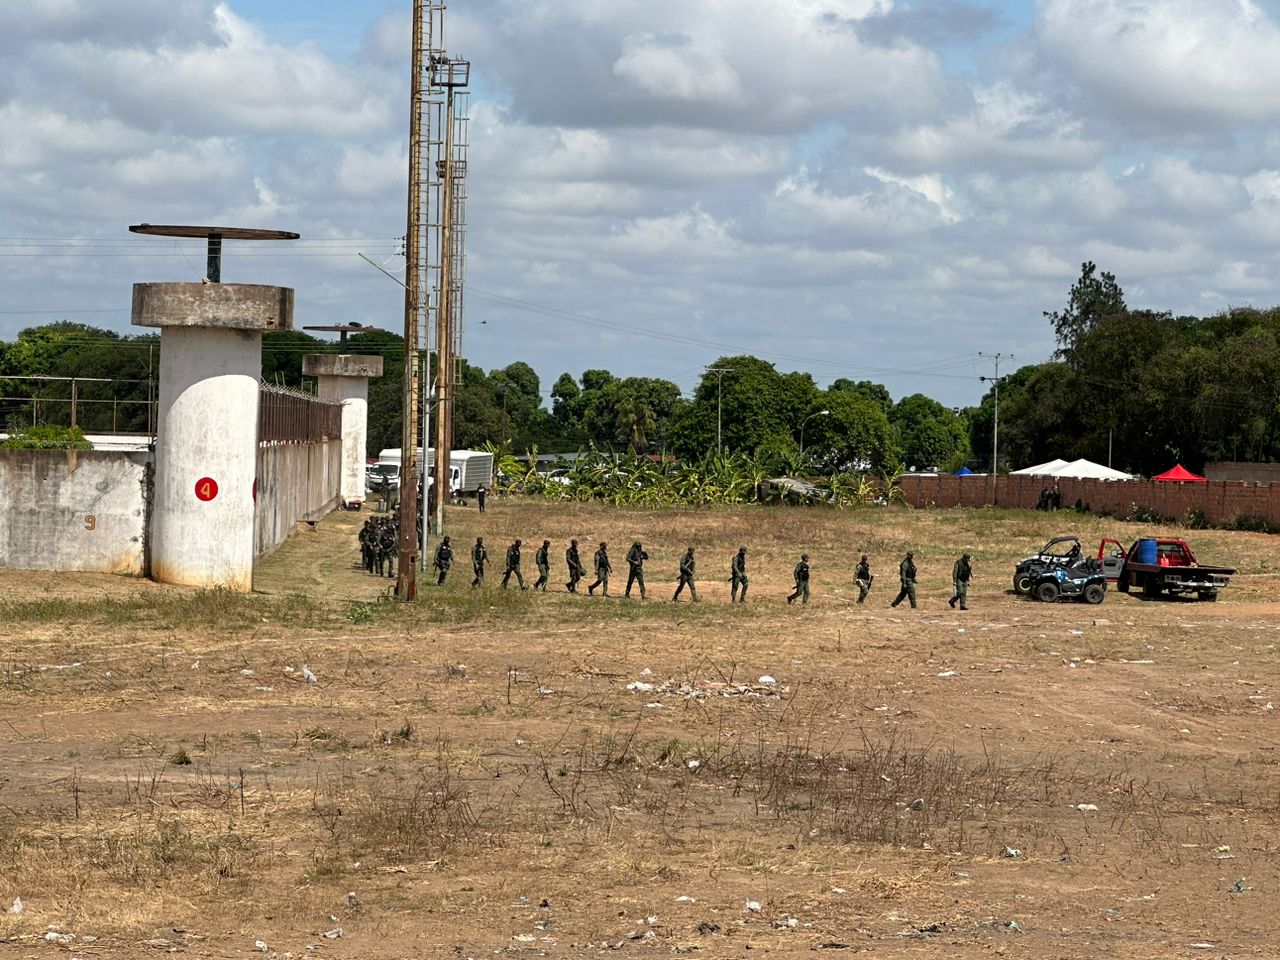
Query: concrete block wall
x=74, y=510
x=297, y=483
x=1220, y=501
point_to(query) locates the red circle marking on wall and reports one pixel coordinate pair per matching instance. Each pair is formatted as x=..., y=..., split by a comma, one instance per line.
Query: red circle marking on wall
x=206, y=489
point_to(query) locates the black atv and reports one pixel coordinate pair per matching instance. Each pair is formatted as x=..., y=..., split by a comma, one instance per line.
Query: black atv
x=1058, y=552
x=1083, y=580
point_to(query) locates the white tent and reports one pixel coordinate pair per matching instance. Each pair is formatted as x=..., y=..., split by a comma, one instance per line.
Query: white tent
x=1088, y=470
x=1042, y=469
x=1076, y=469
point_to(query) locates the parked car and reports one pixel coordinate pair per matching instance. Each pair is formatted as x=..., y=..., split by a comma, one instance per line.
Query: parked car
x=1158, y=565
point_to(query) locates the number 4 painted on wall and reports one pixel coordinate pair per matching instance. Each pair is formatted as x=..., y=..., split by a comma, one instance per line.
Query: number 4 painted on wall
x=206, y=489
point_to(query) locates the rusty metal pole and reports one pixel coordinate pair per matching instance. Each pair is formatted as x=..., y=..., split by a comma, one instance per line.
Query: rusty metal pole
x=406, y=573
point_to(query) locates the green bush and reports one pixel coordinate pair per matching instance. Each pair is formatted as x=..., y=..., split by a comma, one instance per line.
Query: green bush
x=1250, y=523
x=1195, y=520
x=47, y=437
x=1140, y=514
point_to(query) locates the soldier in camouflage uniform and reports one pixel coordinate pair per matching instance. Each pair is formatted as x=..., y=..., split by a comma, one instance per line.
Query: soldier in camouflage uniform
x=573, y=560
x=738, y=575
x=478, y=557
x=603, y=569
x=636, y=557
x=907, y=575
x=801, y=573
x=543, y=561
x=863, y=577
x=513, y=566
x=443, y=559
x=961, y=574
x=687, y=569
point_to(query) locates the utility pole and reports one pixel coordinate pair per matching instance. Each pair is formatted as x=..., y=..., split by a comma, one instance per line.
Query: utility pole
x=995, y=358
x=407, y=572
x=444, y=322
x=719, y=372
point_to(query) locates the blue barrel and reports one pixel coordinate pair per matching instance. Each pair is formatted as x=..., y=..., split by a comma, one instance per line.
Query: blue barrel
x=1144, y=551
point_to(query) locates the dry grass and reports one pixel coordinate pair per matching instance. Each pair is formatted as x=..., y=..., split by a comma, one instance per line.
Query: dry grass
x=164, y=764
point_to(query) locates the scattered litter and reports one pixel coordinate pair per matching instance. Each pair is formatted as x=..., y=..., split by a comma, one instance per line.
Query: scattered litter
x=752, y=906
x=308, y=676
x=246, y=672
x=706, y=927
x=1014, y=926
x=1076, y=633
x=1102, y=623
x=642, y=935
x=839, y=890
x=949, y=673
x=707, y=689
x=1202, y=946
x=646, y=672
x=651, y=920
x=334, y=934
x=261, y=946
x=916, y=804
x=1239, y=886
x=352, y=899
x=265, y=689
x=959, y=629
x=1145, y=663
x=17, y=905
x=1011, y=853
x=545, y=691
x=1087, y=807
x=693, y=764
x=57, y=936
x=524, y=938
x=196, y=665
x=686, y=899
x=767, y=680
x=786, y=923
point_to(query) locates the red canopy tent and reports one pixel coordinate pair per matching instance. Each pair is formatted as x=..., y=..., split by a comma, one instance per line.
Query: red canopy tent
x=1180, y=474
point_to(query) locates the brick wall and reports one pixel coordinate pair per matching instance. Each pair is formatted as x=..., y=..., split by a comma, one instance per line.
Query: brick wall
x=1237, y=470
x=1218, y=500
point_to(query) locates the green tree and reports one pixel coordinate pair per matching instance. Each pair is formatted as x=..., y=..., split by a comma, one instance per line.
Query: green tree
x=1092, y=297
x=929, y=435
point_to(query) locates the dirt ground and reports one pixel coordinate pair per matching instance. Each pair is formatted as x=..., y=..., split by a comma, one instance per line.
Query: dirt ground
x=499, y=772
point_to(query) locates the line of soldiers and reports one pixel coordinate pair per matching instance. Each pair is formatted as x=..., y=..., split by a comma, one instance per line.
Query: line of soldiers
x=379, y=545
x=961, y=573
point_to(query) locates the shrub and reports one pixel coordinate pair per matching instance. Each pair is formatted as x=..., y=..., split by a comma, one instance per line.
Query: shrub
x=1195, y=520
x=47, y=437
x=1250, y=523
x=1140, y=514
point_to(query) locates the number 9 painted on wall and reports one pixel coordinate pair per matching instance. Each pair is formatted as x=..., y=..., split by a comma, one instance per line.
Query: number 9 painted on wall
x=91, y=523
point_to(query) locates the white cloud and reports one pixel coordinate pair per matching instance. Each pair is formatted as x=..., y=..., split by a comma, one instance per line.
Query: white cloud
x=1177, y=64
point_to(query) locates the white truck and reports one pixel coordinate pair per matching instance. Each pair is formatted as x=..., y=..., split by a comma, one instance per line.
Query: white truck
x=468, y=469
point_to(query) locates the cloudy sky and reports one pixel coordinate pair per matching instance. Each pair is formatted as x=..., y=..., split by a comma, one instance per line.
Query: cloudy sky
x=862, y=188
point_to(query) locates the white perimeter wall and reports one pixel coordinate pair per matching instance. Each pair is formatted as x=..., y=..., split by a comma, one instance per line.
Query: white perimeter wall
x=72, y=510
x=297, y=483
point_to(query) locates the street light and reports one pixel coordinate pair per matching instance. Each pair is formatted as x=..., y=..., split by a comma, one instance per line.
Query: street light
x=820, y=413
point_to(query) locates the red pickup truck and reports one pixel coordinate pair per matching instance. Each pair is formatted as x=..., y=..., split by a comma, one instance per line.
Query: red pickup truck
x=1158, y=565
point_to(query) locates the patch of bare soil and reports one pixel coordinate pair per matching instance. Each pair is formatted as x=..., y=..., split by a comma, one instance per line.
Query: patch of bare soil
x=322, y=771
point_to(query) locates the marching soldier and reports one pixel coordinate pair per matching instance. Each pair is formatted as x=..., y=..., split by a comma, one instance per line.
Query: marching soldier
x=687, y=566
x=801, y=573
x=388, y=543
x=513, y=566
x=738, y=575
x=443, y=559
x=366, y=546
x=636, y=557
x=543, y=562
x=863, y=577
x=603, y=569
x=907, y=574
x=573, y=560
x=961, y=574
x=478, y=557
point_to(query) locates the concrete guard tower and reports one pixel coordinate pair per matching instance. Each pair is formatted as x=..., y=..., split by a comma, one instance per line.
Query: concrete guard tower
x=202, y=529
x=345, y=377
